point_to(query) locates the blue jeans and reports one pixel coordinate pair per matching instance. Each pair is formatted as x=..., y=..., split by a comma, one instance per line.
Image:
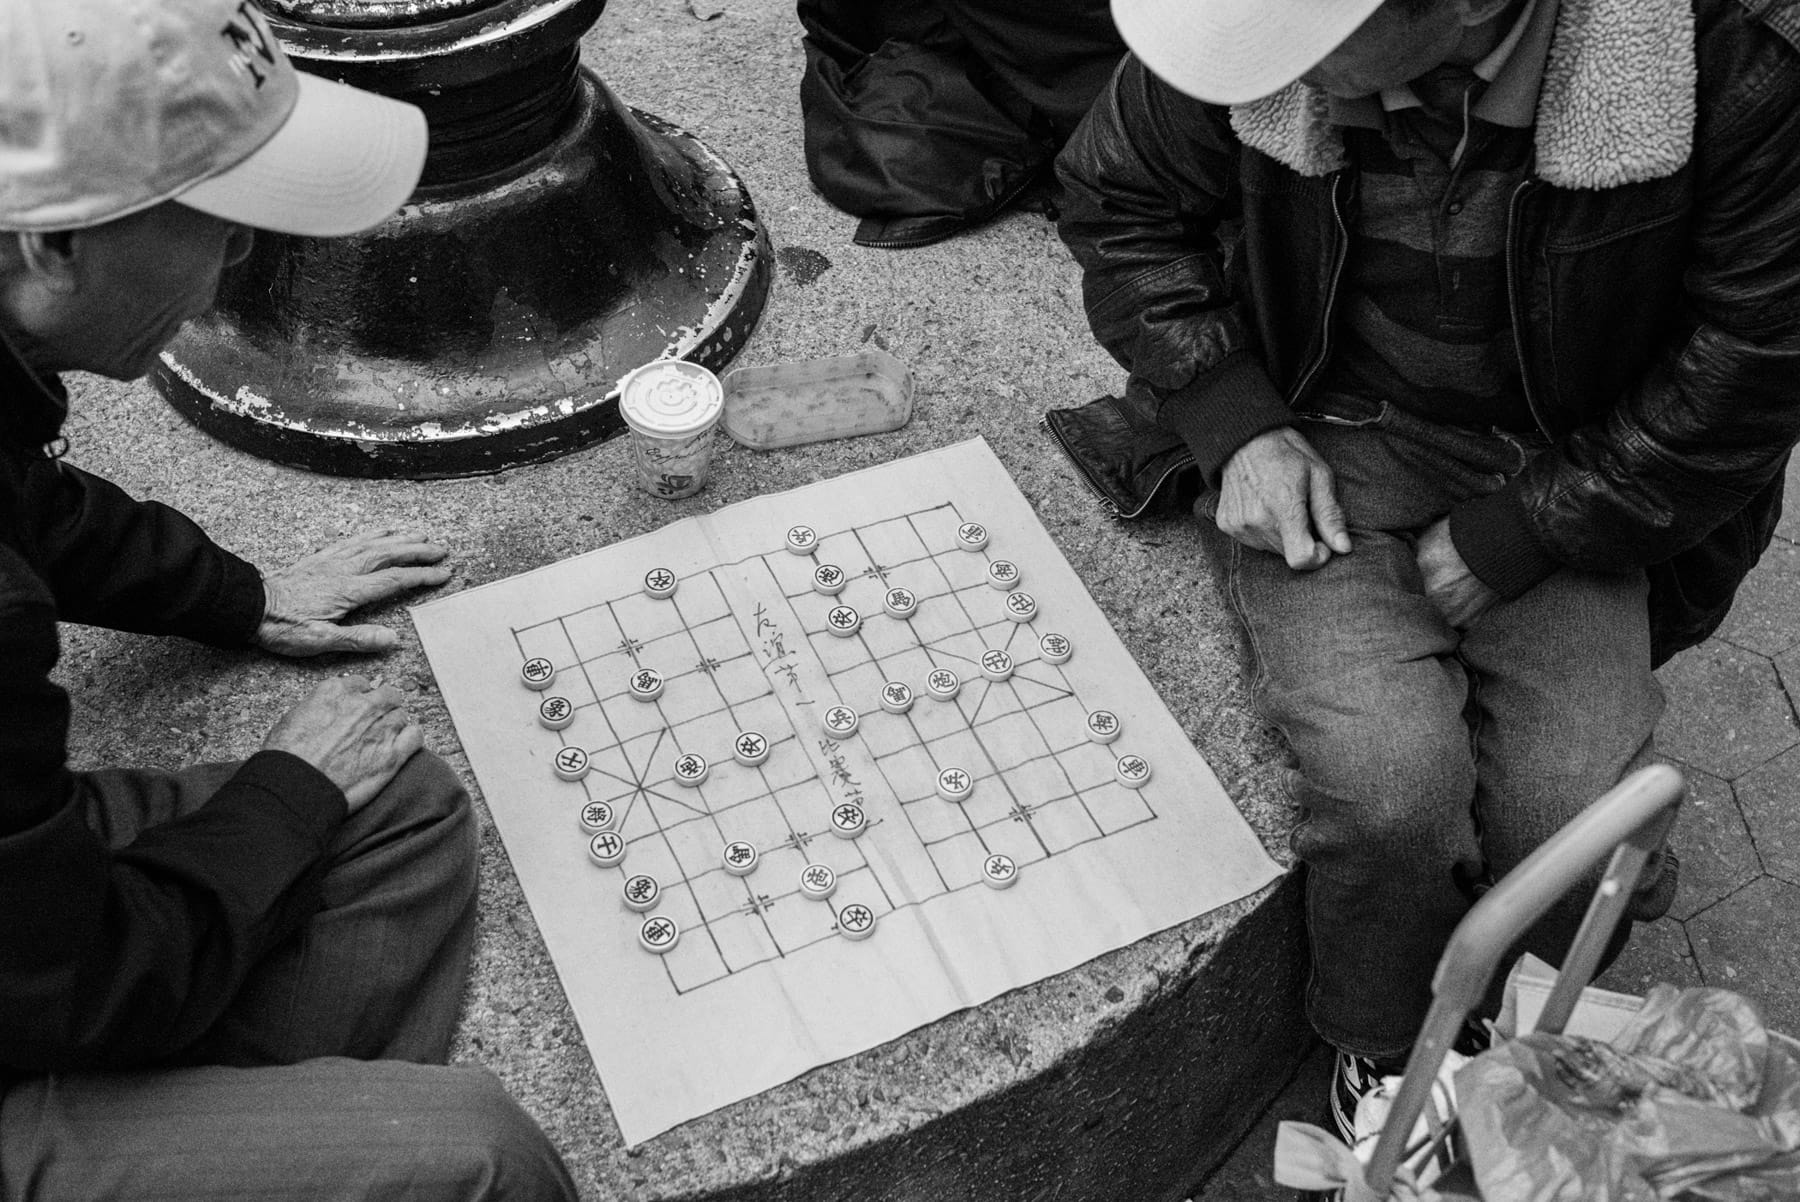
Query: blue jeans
x=1426, y=761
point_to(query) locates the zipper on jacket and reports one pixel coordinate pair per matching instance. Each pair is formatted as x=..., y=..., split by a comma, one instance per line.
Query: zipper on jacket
x=1111, y=507
x=1514, y=219
x=1081, y=471
x=1340, y=252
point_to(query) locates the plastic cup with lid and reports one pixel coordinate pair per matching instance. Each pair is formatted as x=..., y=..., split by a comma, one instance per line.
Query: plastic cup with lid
x=671, y=406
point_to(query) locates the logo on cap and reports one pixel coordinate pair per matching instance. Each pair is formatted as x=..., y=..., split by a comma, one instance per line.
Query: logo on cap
x=250, y=41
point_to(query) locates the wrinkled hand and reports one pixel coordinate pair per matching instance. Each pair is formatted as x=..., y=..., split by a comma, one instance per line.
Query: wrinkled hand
x=353, y=731
x=1277, y=495
x=1458, y=593
x=304, y=601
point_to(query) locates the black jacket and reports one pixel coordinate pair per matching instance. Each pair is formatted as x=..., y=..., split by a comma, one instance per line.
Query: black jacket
x=1654, y=263
x=115, y=958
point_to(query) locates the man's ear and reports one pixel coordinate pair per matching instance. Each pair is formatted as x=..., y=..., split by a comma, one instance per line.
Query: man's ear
x=50, y=258
x=1480, y=12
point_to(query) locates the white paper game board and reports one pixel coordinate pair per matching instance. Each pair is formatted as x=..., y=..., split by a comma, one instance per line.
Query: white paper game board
x=762, y=984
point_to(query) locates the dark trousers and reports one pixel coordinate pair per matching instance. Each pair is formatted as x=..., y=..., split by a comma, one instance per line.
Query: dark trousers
x=325, y=1077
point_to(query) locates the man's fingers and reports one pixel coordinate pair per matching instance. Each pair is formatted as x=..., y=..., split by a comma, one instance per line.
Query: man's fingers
x=1327, y=514
x=371, y=587
x=1297, y=545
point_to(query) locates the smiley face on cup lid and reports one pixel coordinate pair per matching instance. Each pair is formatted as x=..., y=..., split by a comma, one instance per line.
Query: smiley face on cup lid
x=668, y=398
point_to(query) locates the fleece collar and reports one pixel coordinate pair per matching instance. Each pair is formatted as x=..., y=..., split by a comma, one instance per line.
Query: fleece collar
x=1617, y=105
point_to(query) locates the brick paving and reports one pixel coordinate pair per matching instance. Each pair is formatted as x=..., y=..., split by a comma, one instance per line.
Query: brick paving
x=1733, y=728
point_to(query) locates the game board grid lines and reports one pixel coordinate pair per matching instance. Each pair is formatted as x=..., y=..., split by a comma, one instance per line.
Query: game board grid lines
x=710, y=662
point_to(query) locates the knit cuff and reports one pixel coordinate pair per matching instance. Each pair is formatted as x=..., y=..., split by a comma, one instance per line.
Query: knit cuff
x=1220, y=410
x=1494, y=538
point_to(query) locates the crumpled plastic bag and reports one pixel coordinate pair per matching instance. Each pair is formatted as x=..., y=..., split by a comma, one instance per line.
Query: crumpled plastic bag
x=1693, y=1099
x=1310, y=1158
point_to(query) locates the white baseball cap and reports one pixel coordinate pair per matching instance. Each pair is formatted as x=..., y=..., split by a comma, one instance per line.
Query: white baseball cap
x=1235, y=51
x=109, y=107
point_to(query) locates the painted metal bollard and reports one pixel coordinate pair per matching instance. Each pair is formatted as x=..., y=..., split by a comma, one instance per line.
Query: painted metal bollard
x=558, y=240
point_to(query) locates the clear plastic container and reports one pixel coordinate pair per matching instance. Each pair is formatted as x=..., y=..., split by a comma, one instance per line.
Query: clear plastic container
x=789, y=404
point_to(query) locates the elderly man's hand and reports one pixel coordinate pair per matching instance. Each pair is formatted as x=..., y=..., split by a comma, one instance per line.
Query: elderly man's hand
x=1278, y=495
x=304, y=601
x=355, y=732
x=1458, y=593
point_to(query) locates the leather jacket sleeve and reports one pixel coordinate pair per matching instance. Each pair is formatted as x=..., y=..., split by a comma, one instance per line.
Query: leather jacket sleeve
x=1710, y=426
x=1148, y=177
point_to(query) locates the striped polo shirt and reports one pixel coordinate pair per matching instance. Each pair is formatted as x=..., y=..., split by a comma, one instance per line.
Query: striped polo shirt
x=1423, y=318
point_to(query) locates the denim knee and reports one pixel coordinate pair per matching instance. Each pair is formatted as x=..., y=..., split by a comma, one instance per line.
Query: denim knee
x=1377, y=793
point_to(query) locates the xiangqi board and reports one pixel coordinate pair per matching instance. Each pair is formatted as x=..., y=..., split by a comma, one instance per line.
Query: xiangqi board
x=786, y=781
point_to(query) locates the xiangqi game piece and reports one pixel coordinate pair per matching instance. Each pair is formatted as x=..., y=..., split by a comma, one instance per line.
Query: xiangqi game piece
x=1055, y=649
x=1132, y=771
x=818, y=882
x=955, y=784
x=750, y=748
x=739, y=858
x=1103, y=726
x=571, y=763
x=606, y=848
x=942, y=684
x=839, y=721
x=999, y=872
x=645, y=684
x=640, y=893
x=900, y=603
x=537, y=673
x=829, y=579
x=996, y=664
x=801, y=540
x=848, y=820
x=660, y=583
x=856, y=921
x=1003, y=574
x=555, y=713
x=896, y=697
x=659, y=933
x=843, y=621
x=691, y=769
x=1021, y=607
x=972, y=536
x=597, y=816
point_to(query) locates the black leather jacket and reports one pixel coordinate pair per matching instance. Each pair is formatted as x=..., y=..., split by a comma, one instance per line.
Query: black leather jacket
x=1657, y=321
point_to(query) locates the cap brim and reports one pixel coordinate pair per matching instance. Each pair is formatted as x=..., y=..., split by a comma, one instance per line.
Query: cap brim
x=1236, y=51
x=343, y=162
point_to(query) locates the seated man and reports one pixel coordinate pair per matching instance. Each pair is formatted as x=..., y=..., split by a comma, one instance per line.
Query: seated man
x=235, y=980
x=1492, y=394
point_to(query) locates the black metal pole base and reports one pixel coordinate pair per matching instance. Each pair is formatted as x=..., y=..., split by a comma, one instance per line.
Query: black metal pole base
x=487, y=324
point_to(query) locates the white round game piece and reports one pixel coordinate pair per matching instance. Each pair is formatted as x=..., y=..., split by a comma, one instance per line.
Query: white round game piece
x=537, y=674
x=900, y=602
x=972, y=536
x=597, y=816
x=555, y=713
x=840, y=721
x=750, y=748
x=660, y=583
x=996, y=664
x=999, y=872
x=640, y=893
x=1132, y=771
x=571, y=763
x=843, y=621
x=817, y=881
x=955, y=784
x=646, y=684
x=691, y=769
x=659, y=933
x=1003, y=574
x=1103, y=726
x=848, y=820
x=739, y=858
x=1055, y=649
x=801, y=540
x=829, y=579
x=896, y=697
x=943, y=684
x=856, y=921
x=1021, y=607
x=606, y=848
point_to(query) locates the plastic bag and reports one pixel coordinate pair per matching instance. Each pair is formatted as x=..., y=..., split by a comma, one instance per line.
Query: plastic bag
x=1693, y=1099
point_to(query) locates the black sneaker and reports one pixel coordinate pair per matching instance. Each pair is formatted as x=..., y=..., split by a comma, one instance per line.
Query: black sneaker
x=1355, y=1076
